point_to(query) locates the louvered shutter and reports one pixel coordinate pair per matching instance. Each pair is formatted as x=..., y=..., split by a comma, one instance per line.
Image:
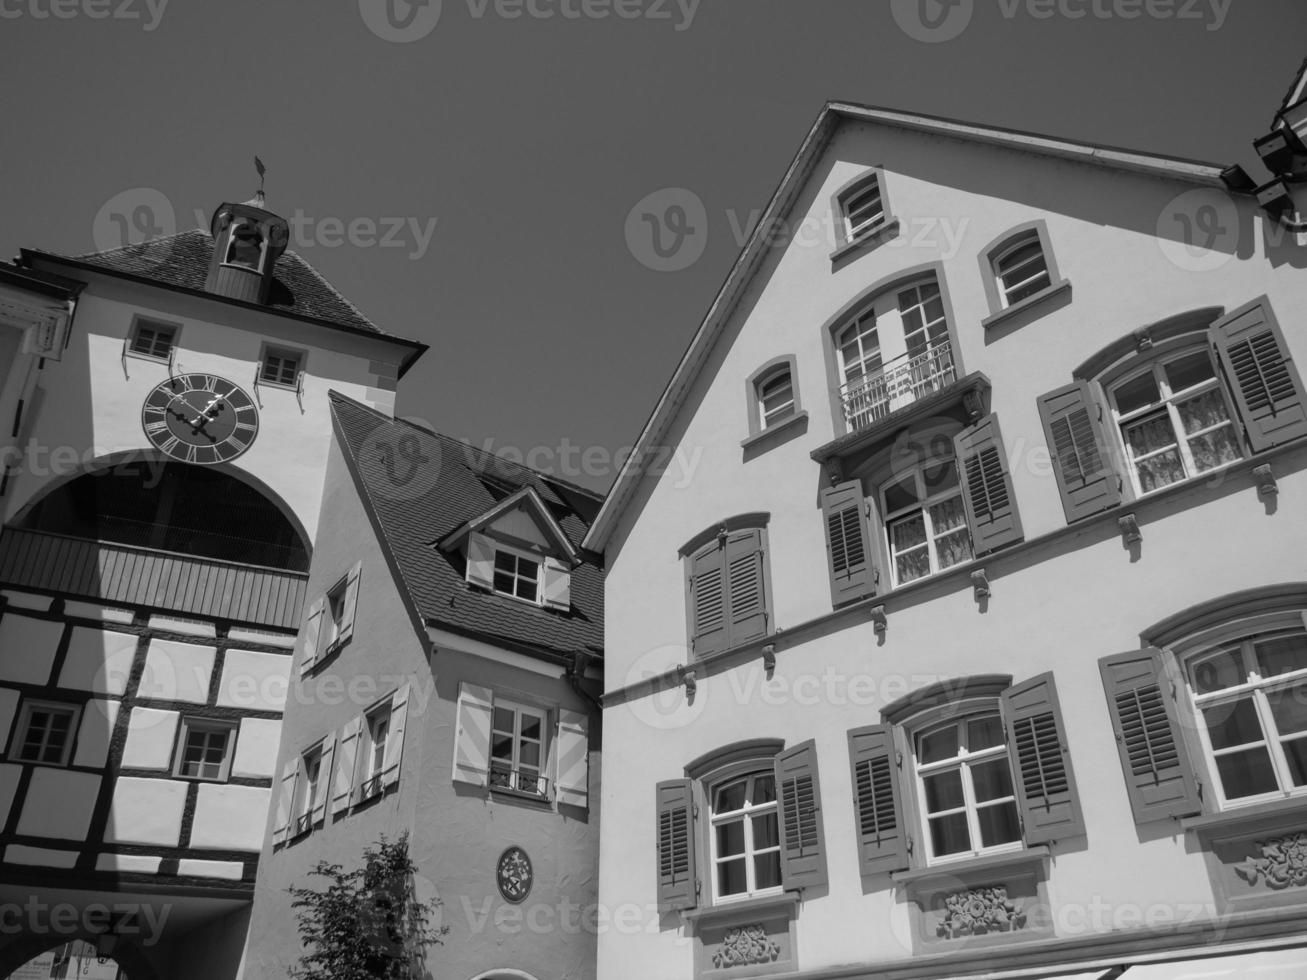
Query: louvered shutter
x=708, y=599
x=285, y=800
x=1259, y=366
x=747, y=602
x=1159, y=776
x=878, y=811
x=342, y=781
x=848, y=543
x=350, y=604
x=324, y=779
x=803, y=843
x=987, y=486
x=1081, y=459
x=395, y=737
x=1041, y=762
x=678, y=887
x=472, y=735
x=481, y=561
x=311, y=630
x=573, y=756
x=556, y=589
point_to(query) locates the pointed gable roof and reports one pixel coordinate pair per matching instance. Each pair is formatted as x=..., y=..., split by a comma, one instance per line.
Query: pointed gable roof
x=453, y=495
x=525, y=498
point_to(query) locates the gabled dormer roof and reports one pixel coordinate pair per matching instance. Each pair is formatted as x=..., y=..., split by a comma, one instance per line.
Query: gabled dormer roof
x=1297, y=92
x=831, y=117
x=525, y=499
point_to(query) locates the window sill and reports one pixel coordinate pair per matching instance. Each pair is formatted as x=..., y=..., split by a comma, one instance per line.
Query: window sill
x=748, y=909
x=517, y=794
x=1293, y=806
x=966, y=867
x=882, y=232
x=138, y=356
x=762, y=435
x=264, y=383
x=1045, y=294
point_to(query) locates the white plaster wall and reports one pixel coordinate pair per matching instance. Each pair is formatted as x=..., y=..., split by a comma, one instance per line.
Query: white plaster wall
x=96, y=728
x=59, y=803
x=232, y=870
x=256, y=748
x=151, y=734
x=99, y=661
x=27, y=648
x=176, y=671
x=146, y=811
x=230, y=818
x=256, y=681
x=140, y=863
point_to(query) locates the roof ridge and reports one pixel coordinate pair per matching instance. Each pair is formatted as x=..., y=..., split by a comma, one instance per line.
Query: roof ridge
x=332, y=289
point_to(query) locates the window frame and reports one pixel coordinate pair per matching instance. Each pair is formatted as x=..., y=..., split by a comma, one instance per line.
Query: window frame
x=24, y=721
x=193, y=723
x=153, y=323
x=849, y=239
x=991, y=256
x=709, y=785
x=923, y=507
x=277, y=350
x=333, y=613
x=519, y=555
x=519, y=708
x=308, y=793
x=767, y=373
x=238, y=222
x=368, y=767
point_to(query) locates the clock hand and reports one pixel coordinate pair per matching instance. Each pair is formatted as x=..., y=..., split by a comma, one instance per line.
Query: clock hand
x=202, y=419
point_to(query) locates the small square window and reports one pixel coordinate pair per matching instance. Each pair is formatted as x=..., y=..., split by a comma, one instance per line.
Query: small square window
x=517, y=575
x=281, y=367
x=152, y=339
x=45, y=733
x=204, y=750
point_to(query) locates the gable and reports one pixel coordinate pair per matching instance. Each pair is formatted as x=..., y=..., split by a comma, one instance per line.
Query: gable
x=519, y=527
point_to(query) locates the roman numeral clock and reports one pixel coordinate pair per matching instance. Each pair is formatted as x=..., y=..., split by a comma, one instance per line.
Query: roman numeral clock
x=200, y=418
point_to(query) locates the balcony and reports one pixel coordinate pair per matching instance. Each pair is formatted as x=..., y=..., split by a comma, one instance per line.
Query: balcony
x=899, y=383
x=159, y=580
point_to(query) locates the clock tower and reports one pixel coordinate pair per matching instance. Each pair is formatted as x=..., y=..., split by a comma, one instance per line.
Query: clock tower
x=165, y=429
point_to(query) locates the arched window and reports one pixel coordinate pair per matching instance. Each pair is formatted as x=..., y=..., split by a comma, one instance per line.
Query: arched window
x=245, y=246
x=1021, y=268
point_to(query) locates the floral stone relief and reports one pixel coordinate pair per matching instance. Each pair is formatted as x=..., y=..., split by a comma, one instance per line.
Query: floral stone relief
x=1282, y=863
x=980, y=911
x=745, y=946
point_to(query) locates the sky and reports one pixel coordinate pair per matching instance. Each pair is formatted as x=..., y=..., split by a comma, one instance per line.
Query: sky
x=474, y=173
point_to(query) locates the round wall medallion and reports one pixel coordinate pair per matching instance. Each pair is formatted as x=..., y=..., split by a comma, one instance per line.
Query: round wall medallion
x=514, y=875
x=200, y=418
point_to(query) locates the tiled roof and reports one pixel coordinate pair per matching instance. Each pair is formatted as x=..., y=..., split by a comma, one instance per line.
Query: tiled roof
x=183, y=260
x=455, y=483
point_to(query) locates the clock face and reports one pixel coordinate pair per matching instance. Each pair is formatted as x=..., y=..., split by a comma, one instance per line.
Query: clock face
x=200, y=418
x=514, y=874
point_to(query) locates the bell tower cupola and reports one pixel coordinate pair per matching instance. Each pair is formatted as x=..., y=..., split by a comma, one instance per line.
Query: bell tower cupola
x=247, y=241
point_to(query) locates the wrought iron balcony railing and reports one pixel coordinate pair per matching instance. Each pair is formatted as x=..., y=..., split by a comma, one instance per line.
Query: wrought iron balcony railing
x=528, y=781
x=901, y=382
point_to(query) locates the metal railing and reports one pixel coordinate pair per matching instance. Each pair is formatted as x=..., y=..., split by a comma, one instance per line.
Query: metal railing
x=899, y=383
x=527, y=781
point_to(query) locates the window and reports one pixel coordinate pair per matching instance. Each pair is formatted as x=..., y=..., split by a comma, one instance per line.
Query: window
x=517, y=575
x=1022, y=269
x=863, y=208
x=965, y=783
x=1174, y=421
x=376, y=732
x=727, y=584
x=776, y=398
x=1019, y=271
x=204, y=749
x=517, y=748
x=746, y=843
x=925, y=520
x=310, y=791
x=245, y=246
x=773, y=399
x=45, y=732
x=281, y=367
x=329, y=622
x=892, y=351
x=152, y=339
x=860, y=213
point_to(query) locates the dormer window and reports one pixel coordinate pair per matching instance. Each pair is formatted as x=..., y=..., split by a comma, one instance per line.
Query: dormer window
x=517, y=575
x=245, y=246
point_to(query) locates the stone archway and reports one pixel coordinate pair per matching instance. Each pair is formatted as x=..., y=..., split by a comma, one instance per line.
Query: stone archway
x=24, y=947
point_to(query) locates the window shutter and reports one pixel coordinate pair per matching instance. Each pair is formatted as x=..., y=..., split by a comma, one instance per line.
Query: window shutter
x=342, y=783
x=708, y=599
x=677, y=886
x=878, y=811
x=556, y=589
x=395, y=737
x=350, y=604
x=285, y=799
x=748, y=600
x=573, y=769
x=472, y=735
x=1041, y=763
x=1159, y=776
x=803, y=844
x=1267, y=389
x=987, y=486
x=481, y=561
x=848, y=543
x=311, y=629
x=1073, y=426
x=324, y=779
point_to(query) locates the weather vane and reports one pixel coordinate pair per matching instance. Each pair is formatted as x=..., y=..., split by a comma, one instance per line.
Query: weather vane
x=258, y=165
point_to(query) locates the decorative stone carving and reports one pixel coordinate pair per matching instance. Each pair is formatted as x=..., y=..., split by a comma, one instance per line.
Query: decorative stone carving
x=1282, y=864
x=745, y=946
x=1129, y=526
x=880, y=623
x=980, y=584
x=980, y=911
